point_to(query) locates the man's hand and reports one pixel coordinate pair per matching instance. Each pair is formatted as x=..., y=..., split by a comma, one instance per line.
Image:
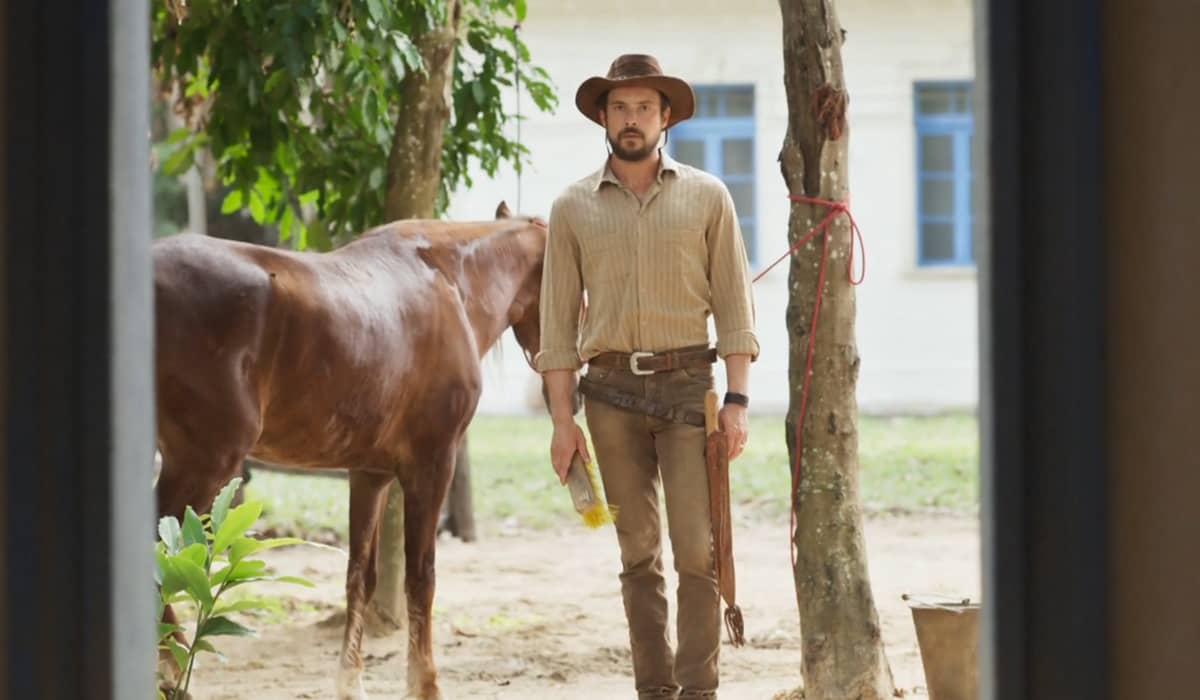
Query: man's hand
x=732, y=420
x=568, y=439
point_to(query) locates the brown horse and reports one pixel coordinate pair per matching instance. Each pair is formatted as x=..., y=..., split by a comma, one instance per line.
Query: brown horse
x=365, y=358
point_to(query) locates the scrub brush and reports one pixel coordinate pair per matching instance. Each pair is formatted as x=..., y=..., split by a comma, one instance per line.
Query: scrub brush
x=584, y=483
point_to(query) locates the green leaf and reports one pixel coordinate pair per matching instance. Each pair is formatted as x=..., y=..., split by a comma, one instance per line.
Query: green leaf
x=179, y=135
x=195, y=553
x=257, y=208
x=520, y=7
x=223, y=626
x=165, y=630
x=221, y=505
x=197, y=582
x=168, y=533
x=246, y=604
x=318, y=237
x=274, y=80
x=242, y=547
x=205, y=645
x=193, y=529
x=398, y=66
x=375, y=7
x=412, y=55
x=179, y=161
x=160, y=553
x=241, y=571
x=173, y=581
x=232, y=202
x=371, y=105
x=179, y=651
x=235, y=525
x=298, y=580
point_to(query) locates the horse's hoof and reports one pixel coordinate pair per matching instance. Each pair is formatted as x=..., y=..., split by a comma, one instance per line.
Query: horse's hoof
x=349, y=686
x=428, y=692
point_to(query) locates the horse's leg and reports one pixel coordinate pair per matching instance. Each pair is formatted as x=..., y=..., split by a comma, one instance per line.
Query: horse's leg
x=422, y=506
x=368, y=491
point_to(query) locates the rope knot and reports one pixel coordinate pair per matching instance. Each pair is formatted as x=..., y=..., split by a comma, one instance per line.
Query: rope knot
x=836, y=207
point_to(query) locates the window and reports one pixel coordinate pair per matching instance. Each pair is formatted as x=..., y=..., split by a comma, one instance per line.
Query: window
x=945, y=126
x=720, y=140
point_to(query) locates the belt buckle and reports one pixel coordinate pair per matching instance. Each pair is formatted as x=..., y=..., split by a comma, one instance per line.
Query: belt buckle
x=633, y=365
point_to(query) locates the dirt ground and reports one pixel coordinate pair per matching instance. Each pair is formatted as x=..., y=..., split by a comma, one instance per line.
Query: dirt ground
x=538, y=615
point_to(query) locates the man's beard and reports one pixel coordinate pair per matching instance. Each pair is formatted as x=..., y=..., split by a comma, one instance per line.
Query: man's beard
x=632, y=155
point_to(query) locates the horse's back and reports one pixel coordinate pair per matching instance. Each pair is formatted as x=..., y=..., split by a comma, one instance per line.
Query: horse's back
x=209, y=297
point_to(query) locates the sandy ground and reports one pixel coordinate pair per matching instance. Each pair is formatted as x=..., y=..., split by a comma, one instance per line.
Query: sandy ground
x=539, y=616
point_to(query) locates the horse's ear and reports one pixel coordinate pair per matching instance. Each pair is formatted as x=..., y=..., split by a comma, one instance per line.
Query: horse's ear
x=502, y=211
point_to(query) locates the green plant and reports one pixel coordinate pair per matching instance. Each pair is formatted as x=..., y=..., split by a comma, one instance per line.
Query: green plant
x=199, y=561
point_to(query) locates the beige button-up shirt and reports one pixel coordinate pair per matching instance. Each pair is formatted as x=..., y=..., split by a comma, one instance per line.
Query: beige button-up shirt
x=652, y=271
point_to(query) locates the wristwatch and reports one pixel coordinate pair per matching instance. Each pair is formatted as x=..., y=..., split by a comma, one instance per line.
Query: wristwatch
x=739, y=399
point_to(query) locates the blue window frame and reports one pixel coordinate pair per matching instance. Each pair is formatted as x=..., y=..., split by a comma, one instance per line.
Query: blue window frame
x=720, y=139
x=945, y=127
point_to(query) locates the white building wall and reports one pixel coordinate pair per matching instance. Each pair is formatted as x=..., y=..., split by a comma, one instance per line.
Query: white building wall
x=917, y=328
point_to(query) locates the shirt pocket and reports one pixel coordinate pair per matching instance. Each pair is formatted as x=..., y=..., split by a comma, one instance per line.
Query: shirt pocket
x=688, y=248
x=607, y=259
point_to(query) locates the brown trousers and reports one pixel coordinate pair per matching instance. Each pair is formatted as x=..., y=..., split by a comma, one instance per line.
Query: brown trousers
x=633, y=452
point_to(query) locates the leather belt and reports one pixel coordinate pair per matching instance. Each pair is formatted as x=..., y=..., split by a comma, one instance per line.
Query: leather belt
x=629, y=402
x=649, y=362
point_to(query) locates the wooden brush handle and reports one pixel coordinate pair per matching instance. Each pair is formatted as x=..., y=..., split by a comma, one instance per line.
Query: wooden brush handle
x=580, y=485
x=710, y=412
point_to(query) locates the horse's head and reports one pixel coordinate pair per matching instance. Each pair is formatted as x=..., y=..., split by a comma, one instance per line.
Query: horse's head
x=524, y=317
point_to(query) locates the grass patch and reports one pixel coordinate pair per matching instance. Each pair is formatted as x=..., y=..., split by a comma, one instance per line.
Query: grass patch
x=908, y=464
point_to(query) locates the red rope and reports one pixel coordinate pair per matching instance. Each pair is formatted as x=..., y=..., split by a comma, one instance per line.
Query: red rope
x=835, y=208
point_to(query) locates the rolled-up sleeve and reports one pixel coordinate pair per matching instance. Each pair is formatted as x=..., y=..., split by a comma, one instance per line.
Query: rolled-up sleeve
x=729, y=279
x=561, y=295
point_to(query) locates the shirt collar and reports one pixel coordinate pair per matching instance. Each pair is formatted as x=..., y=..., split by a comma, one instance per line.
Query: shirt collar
x=666, y=164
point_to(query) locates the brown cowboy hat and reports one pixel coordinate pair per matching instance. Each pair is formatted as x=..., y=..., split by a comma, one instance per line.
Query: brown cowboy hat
x=637, y=70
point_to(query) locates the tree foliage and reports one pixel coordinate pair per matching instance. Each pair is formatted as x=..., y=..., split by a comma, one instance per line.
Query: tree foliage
x=298, y=100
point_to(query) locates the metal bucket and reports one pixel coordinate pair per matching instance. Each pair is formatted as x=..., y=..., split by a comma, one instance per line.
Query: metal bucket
x=948, y=635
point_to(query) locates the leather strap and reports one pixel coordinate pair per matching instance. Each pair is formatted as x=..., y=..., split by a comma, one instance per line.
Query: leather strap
x=697, y=356
x=629, y=402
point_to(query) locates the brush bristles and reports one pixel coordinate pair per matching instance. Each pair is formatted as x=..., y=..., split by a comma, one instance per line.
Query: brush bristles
x=600, y=513
x=596, y=516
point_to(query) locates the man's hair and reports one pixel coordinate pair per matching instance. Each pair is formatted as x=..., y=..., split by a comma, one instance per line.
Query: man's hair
x=664, y=103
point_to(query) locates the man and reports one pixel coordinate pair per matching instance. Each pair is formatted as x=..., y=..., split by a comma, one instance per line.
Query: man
x=656, y=247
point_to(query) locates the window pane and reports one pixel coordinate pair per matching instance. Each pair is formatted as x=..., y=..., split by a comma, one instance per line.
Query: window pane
x=937, y=242
x=943, y=99
x=937, y=152
x=937, y=197
x=739, y=103
x=706, y=103
x=964, y=100
x=743, y=198
x=934, y=101
x=737, y=156
x=691, y=152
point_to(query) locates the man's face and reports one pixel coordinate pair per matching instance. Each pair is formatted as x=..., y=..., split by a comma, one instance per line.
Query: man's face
x=634, y=120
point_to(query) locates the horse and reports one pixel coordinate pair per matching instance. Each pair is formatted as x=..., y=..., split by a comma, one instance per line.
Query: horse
x=365, y=358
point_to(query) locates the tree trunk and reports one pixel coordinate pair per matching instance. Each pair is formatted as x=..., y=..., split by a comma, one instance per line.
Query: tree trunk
x=389, y=608
x=459, y=512
x=843, y=654
x=415, y=163
x=414, y=175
